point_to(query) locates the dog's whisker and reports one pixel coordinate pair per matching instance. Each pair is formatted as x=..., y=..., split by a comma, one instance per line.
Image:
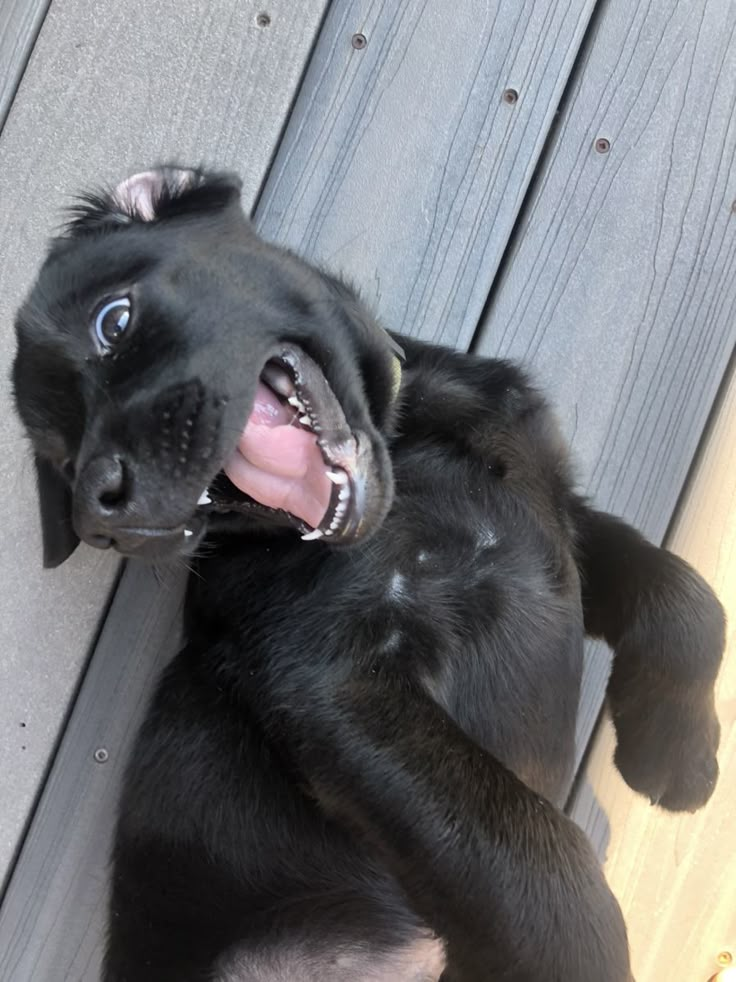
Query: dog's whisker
x=192, y=570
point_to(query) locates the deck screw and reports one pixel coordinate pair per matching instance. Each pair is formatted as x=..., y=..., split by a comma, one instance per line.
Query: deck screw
x=511, y=96
x=725, y=958
x=359, y=41
x=602, y=145
x=101, y=755
x=263, y=20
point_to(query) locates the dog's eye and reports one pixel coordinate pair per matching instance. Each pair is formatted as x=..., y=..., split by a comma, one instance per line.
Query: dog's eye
x=111, y=323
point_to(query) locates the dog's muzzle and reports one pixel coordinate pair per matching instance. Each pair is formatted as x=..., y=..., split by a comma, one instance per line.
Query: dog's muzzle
x=104, y=517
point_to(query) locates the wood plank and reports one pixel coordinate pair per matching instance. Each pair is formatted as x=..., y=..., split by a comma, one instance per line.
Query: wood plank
x=20, y=22
x=620, y=291
x=675, y=875
x=51, y=924
x=109, y=87
x=403, y=166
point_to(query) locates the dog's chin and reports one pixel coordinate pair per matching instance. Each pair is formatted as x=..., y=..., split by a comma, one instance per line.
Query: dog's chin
x=156, y=544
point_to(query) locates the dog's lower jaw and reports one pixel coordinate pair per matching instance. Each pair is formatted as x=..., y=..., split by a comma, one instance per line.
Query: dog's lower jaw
x=154, y=544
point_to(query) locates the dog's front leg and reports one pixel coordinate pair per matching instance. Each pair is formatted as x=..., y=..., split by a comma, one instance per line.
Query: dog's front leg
x=667, y=630
x=507, y=881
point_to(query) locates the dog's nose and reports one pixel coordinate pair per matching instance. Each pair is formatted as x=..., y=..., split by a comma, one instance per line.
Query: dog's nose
x=100, y=496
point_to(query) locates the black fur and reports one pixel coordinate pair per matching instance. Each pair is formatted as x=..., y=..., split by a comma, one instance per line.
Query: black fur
x=366, y=746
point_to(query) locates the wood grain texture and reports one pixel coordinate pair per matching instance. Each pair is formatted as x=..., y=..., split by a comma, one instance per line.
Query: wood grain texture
x=620, y=292
x=110, y=87
x=51, y=924
x=675, y=875
x=20, y=22
x=403, y=167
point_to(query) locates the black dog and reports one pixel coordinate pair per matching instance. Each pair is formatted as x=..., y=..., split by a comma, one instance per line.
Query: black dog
x=353, y=769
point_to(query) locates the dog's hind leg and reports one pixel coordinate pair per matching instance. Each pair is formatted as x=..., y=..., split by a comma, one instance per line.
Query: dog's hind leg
x=506, y=880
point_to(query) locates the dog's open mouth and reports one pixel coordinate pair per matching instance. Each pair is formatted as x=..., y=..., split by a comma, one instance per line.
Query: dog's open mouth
x=297, y=455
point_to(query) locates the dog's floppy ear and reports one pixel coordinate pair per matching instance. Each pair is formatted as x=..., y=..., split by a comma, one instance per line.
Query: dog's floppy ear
x=55, y=503
x=139, y=195
x=164, y=191
x=153, y=195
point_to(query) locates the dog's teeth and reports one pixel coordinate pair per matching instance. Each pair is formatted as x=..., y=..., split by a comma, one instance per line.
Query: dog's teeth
x=188, y=533
x=344, y=493
x=296, y=402
x=338, y=477
x=204, y=498
x=314, y=534
x=328, y=531
x=305, y=420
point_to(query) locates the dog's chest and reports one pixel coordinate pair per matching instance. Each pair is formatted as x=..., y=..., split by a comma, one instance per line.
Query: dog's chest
x=472, y=611
x=489, y=627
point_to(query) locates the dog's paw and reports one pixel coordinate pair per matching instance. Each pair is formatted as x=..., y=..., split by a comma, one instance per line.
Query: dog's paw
x=666, y=748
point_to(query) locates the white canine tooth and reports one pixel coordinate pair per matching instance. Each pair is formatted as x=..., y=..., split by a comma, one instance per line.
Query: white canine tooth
x=314, y=534
x=188, y=533
x=305, y=420
x=338, y=477
x=328, y=531
x=343, y=494
x=204, y=498
x=296, y=402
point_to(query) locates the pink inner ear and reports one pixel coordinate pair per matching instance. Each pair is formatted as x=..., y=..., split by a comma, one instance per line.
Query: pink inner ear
x=137, y=195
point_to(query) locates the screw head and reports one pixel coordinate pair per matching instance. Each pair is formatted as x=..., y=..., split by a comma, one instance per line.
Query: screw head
x=101, y=755
x=359, y=41
x=510, y=96
x=724, y=958
x=263, y=20
x=602, y=145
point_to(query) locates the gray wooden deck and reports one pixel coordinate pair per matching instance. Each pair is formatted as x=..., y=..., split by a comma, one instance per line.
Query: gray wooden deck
x=452, y=166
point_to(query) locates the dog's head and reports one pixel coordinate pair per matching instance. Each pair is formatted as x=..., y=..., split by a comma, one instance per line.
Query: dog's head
x=162, y=334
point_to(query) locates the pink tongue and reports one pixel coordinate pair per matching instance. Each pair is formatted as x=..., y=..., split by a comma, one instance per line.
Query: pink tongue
x=278, y=463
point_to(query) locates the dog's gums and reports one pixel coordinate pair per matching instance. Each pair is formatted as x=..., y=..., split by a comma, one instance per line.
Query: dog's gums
x=297, y=454
x=277, y=461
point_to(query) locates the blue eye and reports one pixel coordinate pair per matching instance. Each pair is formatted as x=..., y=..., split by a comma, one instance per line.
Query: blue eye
x=111, y=323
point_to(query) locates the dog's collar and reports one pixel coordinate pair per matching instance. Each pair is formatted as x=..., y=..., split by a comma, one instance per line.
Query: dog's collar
x=399, y=357
x=396, y=369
